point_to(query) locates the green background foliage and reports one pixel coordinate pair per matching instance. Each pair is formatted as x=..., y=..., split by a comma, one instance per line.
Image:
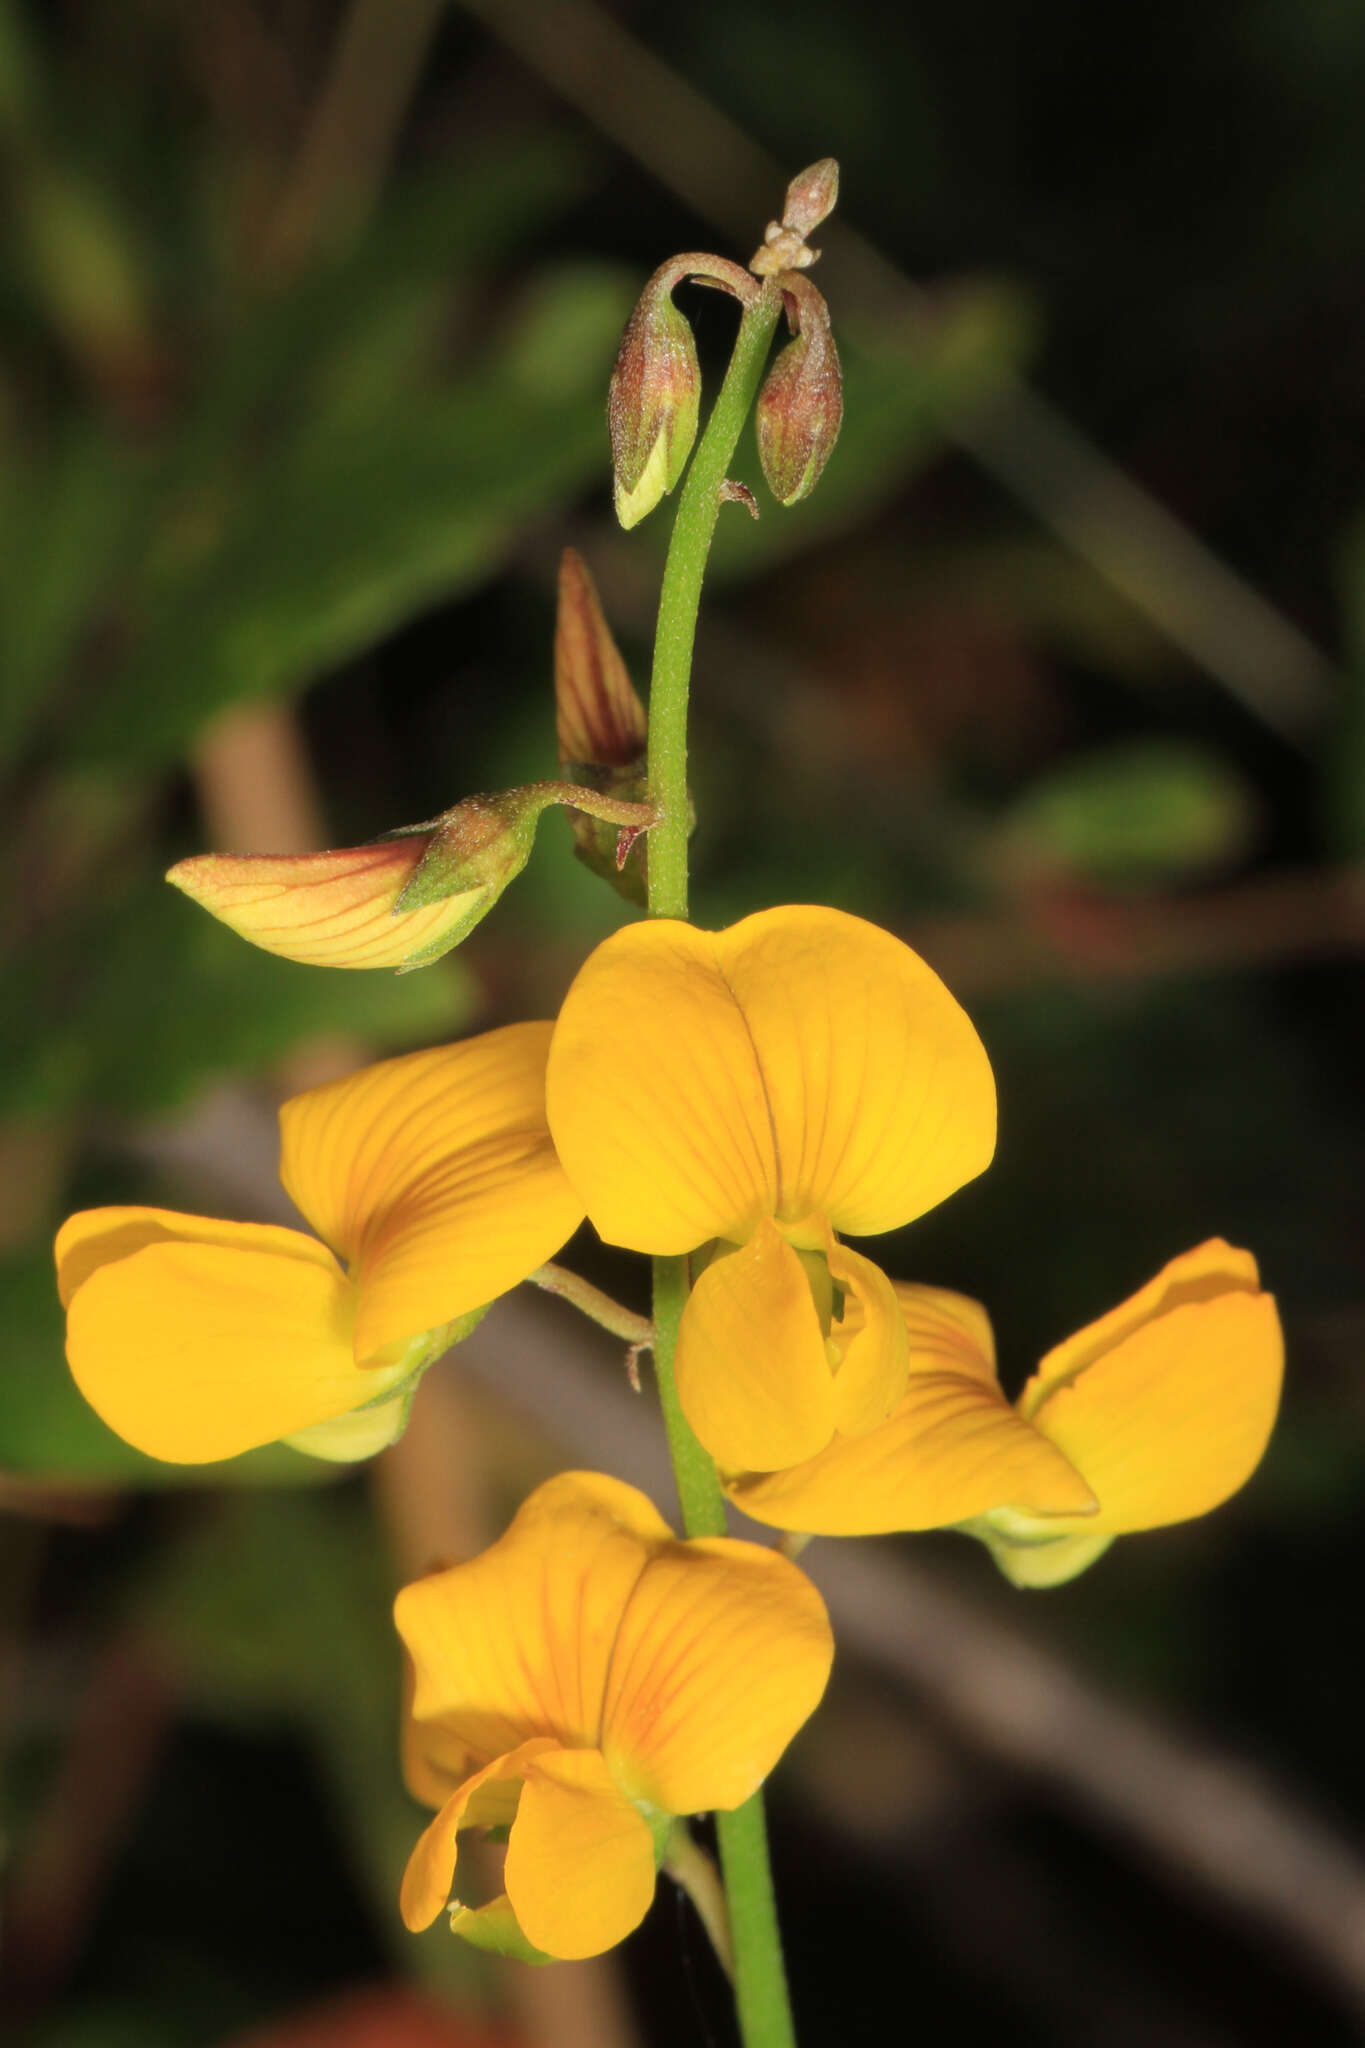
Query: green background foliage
x=334, y=477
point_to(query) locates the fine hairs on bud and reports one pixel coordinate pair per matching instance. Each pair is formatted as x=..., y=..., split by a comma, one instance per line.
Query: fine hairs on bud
x=801, y=406
x=654, y=399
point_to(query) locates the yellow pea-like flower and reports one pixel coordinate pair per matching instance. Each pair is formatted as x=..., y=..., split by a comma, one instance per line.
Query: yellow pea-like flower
x=433, y=1187
x=1153, y=1414
x=799, y=1075
x=581, y=1682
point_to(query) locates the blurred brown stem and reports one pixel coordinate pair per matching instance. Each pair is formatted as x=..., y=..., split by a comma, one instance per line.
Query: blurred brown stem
x=342, y=162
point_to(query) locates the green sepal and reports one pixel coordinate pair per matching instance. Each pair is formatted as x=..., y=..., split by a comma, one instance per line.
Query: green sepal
x=495, y=1929
x=371, y=1427
x=1035, y=1557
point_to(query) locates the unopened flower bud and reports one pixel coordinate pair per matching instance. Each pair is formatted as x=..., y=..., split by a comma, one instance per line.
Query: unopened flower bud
x=599, y=718
x=333, y=909
x=400, y=902
x=654, y=399
x=601, y=723
x=811, y=197
x=801, y=405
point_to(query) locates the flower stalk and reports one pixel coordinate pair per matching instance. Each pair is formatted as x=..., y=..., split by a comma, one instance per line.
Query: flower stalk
x=590, y=1301
x=759, y=1977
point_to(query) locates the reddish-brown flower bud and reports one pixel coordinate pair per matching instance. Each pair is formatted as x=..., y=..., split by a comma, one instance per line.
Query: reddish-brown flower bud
x=601, y=724
x=654, y=399
x=600, y=719
x=801, y=406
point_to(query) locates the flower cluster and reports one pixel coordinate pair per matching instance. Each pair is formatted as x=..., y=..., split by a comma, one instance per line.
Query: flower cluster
x=744, y=1097
x=743, y=1101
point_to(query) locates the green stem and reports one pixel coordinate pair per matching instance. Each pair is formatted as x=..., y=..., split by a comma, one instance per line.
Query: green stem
x=702, y=1502
x=680, y=596
x=760, y=1981
x=761, y=1999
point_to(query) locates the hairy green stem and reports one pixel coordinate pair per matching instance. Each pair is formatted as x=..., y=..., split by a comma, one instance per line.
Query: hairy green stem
x=760, y=1981
x=680, y=596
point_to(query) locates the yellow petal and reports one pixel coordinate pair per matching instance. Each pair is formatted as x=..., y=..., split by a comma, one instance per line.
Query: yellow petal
x=654, y=1094
x=580, y=1859
x=434, y=1762
x=1211, y=1269
x=1173, y=1417
x=517, y=1642
x=331, y=909
x=870, y=1335
x=801, y=1064
x=953, y=1447
x=752, y=1374
x=100, y=1237
x=195, y=1351
x=434, y=1176
x=723, y=1652
x=487, y=1799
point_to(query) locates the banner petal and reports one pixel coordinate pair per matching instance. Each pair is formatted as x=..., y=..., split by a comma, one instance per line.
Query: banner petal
x=654, y=1094
x=881, y=1095
x=517, y=1642
x=801, y=1064
x=724, y=1650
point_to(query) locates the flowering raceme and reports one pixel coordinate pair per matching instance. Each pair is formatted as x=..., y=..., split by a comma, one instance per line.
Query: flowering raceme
x=1153, y=1414
x=583, y=1681
x=432, y=1177
x=769, y=1086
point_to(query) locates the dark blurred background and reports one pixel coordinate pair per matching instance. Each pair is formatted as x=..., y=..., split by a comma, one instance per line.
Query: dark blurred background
x=308, y=313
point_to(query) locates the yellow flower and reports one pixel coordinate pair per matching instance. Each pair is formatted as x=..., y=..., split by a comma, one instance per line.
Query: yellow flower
x=800, y=1074
x=584, y=1680
x=433, y=1180
x=1153, y=1414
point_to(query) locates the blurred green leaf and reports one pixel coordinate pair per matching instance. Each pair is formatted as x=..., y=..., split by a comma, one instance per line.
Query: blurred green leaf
x=48, y=1431
x=67, y=524
x=330, y=343
x=138, y=1011
x=1135, y=815
x=340, y=538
